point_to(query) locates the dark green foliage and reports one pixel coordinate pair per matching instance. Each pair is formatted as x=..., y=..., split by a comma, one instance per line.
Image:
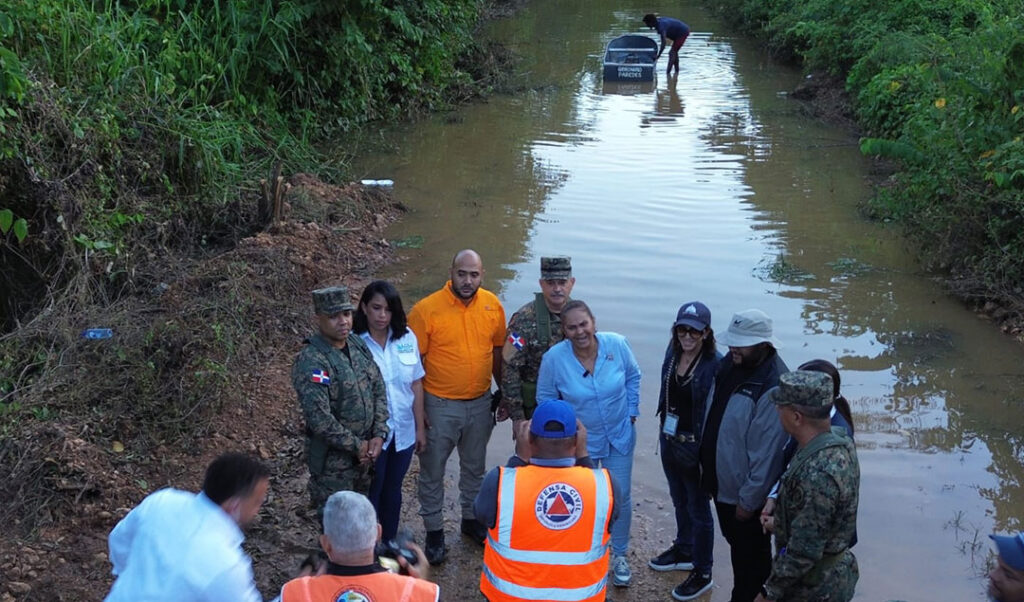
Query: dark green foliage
x=938, y=86
x=173, y=110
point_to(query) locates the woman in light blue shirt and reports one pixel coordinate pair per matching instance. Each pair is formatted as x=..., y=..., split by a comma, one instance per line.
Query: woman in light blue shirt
x=597, y=374
x=380, y=321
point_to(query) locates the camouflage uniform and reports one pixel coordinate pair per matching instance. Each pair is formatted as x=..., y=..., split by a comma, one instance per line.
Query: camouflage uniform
x=524, y=348
x=344, y=403
x=816, y=514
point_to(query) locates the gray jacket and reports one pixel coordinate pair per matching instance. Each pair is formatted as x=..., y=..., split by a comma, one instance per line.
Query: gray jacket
x=749, y=455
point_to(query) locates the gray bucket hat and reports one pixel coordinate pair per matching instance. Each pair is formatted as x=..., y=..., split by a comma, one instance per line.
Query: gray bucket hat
x=329, y=301
x=748, y=328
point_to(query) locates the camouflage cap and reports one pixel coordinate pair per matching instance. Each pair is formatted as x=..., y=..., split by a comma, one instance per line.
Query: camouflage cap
x=803, y=388
x=329, y=301
x=556, y=268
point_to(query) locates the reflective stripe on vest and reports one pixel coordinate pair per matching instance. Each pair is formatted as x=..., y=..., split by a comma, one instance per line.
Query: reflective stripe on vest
x=379, y=586
x=545, y=593
x=527, y=567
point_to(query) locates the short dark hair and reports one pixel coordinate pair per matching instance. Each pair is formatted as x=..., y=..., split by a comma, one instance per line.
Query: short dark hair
x=813, y=412
x=392, y=298
x=650, y=19
x=552, y=447
x=577, y=304
x=233, y=474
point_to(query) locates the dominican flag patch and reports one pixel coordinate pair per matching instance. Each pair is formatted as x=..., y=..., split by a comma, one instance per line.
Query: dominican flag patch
x=320, y=377
x=516, y=340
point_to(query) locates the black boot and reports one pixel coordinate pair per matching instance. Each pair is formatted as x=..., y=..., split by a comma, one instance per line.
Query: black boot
x=474, y=529
x=435, y=550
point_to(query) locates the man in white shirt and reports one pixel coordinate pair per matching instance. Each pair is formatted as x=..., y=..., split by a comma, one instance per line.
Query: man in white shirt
x=184, y=546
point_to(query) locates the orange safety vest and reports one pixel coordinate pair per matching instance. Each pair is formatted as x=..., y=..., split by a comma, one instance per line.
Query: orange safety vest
x=550, y=535
x=373, y=587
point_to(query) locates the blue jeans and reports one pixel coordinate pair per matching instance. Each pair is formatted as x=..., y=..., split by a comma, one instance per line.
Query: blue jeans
x=695, y=529
x=620, y=468
x=386, y=487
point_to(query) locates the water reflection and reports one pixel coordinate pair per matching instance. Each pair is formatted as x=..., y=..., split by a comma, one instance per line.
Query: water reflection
x=716, y=186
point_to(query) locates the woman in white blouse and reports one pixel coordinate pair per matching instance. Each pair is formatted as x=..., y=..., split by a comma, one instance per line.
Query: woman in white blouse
x=380, y=321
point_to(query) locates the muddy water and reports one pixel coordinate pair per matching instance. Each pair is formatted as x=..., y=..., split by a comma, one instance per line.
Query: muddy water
x=717, y=187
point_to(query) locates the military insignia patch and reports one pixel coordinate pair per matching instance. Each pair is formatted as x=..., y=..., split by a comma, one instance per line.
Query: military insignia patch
x=558, y=506
x=320, y=377
x=516, y=340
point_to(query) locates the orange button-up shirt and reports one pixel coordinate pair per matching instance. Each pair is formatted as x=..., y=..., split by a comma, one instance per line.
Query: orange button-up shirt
x=457, y=341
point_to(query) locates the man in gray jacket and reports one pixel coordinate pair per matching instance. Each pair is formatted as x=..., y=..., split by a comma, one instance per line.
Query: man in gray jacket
x=741, y=446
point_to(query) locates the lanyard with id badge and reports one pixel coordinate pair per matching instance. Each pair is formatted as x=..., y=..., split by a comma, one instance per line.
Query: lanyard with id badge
x=671, y=424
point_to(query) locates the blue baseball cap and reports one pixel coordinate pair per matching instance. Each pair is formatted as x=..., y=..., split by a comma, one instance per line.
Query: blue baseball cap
x=694, y=314
x=1011, y=549
x=553, y=419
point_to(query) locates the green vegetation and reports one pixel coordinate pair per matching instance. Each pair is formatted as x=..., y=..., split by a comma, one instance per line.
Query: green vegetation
x=135, y=136
x=938, y=87
x=128, y=126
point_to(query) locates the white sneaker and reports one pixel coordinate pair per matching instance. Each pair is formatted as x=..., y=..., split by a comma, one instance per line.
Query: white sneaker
x=621, y=575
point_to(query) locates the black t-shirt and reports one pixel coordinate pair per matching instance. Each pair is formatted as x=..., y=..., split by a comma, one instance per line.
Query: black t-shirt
x=680, y=400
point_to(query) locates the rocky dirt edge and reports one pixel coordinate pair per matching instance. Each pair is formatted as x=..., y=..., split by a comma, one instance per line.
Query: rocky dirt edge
x=71, y=476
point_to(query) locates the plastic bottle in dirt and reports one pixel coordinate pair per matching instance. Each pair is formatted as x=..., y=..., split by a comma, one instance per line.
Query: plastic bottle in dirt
x=384, y=183
x=97, y=333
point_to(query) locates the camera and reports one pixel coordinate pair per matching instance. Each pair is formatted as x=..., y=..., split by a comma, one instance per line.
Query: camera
x=396, y=547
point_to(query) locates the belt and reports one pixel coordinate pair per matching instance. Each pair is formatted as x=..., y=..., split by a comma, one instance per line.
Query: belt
x=681, y=437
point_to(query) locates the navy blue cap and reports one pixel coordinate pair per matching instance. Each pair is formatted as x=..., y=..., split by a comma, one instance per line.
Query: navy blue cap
x=1011, y=549
x=554, y=411
x=694, y=314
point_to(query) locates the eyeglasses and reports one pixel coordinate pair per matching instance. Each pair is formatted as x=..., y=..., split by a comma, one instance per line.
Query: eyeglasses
x=693, y=334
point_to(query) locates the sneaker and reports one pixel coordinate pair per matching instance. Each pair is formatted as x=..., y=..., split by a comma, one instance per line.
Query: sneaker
x=671, y=560
x=434, y=548
x=695, y=585
x=474, y=529
x=621, y=575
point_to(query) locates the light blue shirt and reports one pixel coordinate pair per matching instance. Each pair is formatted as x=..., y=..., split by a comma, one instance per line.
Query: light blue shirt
x=178, y=545
x=400, y=365
x=603, y=401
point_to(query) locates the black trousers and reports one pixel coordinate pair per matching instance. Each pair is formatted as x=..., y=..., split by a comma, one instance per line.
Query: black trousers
x=750, y=550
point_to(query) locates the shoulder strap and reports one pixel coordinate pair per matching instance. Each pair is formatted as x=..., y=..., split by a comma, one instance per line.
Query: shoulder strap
x=819, y=443
x=543, y=318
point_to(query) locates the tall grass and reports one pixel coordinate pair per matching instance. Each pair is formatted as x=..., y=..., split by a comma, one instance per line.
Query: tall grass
x=196, y=100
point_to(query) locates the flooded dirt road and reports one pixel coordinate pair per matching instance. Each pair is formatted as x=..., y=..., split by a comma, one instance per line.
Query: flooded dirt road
x=716, y=186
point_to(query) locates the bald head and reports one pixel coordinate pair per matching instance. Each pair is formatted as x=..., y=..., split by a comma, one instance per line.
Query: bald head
x=467, y=274
x=466, y=254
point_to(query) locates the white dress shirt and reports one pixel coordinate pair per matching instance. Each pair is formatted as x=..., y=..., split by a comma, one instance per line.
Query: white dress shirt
x=400, y=365
x=179, y=546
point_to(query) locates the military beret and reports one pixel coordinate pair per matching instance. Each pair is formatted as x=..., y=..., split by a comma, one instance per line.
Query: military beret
x=329, y=301
x=556, y=268
x=803, y=388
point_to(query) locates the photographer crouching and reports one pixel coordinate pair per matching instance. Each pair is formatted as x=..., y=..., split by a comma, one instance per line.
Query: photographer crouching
x=351, y=533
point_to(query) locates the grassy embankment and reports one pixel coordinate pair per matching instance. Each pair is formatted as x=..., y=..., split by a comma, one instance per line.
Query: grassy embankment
x=937, y=87
x=133, y=138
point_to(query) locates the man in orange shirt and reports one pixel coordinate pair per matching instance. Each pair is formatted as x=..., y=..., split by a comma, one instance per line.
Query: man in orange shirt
x=461, y=331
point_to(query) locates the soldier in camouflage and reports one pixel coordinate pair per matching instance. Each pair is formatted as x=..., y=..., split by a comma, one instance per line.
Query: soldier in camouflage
x=531, y=331
x=816, y=514
x=343, y=401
